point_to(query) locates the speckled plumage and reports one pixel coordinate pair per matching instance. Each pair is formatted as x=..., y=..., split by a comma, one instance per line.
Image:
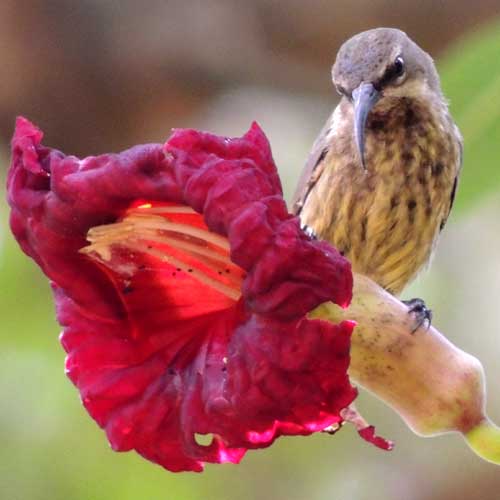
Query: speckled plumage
x=386, y=219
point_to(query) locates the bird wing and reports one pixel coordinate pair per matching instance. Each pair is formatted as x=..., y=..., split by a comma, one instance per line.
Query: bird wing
x=455, y=182
x=313, y=168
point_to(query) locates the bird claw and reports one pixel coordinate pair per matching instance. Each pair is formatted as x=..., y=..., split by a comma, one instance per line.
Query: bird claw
x=309, y=231
x=422, y=313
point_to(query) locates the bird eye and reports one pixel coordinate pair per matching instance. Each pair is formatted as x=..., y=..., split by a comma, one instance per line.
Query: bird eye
x=399, y=67
x=340, y=90
x=395, y=73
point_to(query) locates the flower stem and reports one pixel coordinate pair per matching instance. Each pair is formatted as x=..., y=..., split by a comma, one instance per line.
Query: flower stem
x=484, y=440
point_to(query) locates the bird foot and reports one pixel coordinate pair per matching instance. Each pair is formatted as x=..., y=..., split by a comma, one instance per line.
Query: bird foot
x=421, y=312
x=309, y=231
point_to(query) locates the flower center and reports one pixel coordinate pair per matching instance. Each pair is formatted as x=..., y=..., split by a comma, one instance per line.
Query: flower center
x=172, y=235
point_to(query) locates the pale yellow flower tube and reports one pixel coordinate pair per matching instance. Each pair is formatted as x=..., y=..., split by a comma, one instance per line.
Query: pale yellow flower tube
x=435, y=386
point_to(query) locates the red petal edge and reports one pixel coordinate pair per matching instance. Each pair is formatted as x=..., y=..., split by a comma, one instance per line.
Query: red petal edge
x=158, y=358
x=368, y=434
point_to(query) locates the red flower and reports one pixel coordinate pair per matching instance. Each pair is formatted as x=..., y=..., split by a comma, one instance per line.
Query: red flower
x=176, y=323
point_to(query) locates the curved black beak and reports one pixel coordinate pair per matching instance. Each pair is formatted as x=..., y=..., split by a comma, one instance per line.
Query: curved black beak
x=364, y=98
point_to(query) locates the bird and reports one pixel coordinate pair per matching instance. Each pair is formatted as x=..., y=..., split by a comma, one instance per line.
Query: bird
x=381, y=179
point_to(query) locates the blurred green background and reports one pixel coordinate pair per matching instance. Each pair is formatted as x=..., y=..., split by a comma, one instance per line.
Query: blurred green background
x=102, y=75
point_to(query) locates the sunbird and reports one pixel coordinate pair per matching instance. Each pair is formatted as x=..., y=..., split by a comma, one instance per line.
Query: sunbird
x=381, y=179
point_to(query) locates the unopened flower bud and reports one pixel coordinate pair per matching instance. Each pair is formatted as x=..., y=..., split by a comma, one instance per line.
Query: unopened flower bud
x=435, y=386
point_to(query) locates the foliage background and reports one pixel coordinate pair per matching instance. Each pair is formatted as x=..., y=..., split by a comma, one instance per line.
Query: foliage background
x=103, y=75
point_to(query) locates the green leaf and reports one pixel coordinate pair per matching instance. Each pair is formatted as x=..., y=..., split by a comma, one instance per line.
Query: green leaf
x=470, y=75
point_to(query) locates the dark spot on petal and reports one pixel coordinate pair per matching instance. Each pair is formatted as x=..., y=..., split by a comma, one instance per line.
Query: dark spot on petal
x=412, y=204
x=394, y=202
x=149, y=168
x=127, y=289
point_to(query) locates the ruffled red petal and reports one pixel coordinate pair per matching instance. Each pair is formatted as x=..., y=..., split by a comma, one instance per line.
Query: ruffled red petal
x=158, y=355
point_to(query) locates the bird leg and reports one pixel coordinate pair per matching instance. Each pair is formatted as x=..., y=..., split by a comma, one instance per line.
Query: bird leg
x=309, y=231
x=421, y=312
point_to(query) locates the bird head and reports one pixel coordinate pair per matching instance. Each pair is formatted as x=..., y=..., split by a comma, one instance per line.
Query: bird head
x=377, y=68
